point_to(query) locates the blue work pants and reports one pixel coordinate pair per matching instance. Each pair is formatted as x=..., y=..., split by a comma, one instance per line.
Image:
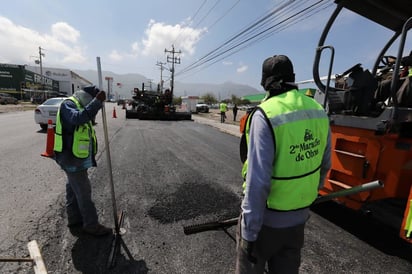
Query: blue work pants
x=79, y=204
x=277, y=248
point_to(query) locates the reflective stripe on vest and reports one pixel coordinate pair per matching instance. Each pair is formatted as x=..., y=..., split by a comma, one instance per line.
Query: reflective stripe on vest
x=300, y=126
x=82, y=136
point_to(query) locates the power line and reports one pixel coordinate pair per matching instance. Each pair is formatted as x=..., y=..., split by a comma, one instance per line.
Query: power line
x=192, y=19
x=224, y=14
x=234, y=37
x=207, y=13
x=254, y=33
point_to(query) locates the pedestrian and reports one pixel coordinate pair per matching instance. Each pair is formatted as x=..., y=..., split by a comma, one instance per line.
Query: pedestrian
x=223, y=109
x=234, y=112
x=75, y=148
x=288, y=157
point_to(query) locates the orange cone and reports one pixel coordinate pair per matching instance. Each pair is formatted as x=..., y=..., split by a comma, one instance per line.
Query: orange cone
x=114, y=112
x=50, y=140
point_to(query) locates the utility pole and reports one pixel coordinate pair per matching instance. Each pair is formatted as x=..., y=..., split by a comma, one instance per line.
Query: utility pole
x=109, y=87
x=174, y=60
x=161, y=76
x=41, y=67
x=150, y=83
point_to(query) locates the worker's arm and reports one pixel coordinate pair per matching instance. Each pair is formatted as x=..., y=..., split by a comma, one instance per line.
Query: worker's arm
x=260, y=161
x=70, y=115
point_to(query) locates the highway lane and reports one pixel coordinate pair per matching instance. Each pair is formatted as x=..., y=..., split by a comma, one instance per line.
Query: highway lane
x=167, y=175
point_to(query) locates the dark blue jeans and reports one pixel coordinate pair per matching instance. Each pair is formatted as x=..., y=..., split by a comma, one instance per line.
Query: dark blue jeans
x=79, y=204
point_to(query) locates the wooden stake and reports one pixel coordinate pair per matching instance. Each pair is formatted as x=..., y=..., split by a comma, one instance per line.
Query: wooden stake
x=39, y=267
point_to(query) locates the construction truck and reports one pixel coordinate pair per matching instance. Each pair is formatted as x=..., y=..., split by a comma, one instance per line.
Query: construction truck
x=371, y=117
x=154, y=105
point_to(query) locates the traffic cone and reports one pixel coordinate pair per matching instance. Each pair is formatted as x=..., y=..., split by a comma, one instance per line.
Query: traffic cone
x=50, y=140
x=114, y=112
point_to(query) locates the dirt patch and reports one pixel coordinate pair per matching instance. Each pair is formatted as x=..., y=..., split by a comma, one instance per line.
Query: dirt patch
x=214, y=114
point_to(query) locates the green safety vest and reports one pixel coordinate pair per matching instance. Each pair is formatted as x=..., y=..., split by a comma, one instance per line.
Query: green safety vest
x=223, y=107
x=82, y=136
x=300, y=126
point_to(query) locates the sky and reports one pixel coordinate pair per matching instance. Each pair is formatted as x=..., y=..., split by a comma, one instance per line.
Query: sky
x=133, y=36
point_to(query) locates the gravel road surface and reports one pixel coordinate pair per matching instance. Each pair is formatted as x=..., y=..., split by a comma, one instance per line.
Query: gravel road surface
x=167, y=175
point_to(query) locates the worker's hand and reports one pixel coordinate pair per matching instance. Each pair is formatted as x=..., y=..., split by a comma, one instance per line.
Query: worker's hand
x=101, y=96
x=247, y=247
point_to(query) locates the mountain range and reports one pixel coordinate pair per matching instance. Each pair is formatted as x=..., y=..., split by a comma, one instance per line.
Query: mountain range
x=123, y=85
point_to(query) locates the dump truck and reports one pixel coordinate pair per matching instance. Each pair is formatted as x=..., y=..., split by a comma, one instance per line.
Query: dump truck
x=154, y=105
x=371, y=117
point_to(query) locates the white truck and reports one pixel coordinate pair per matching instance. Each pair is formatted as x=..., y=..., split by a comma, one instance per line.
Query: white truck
x=189, y=103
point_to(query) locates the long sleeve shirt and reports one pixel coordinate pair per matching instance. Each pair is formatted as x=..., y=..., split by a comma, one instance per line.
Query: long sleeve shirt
x=70, y=118
x=261, y=158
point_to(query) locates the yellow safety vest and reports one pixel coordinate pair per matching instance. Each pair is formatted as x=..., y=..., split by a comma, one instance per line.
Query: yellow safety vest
x=223, y=107
x=300, y=126
x=82, y=136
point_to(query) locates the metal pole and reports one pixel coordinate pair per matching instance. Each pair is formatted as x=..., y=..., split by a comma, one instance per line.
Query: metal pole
x=41, y=67
x=106, y=141
x=349, y=191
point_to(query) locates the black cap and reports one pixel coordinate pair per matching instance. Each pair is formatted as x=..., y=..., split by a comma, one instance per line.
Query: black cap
x=92, y=90
x=277, y=68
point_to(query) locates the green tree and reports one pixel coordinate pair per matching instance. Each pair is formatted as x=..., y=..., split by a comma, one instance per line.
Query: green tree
x=236, y=100
x=177, y=100
x=209, y=98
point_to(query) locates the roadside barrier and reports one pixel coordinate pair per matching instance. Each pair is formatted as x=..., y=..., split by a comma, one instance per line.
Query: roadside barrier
x=50, y=140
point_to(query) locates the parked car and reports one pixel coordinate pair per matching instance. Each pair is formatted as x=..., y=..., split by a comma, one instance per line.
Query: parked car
x=7, y=99
x=47, y=111
x=202, y=108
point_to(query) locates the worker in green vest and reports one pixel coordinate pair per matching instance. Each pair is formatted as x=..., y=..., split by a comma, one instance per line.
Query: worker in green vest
x=75, y=148
x=288, y=157
x=223, y=109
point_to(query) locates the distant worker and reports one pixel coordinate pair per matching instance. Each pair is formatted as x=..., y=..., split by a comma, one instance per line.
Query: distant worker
x=288, y=157
x=223, y=109
x=234, y=112
x=243, y=119
x=75, y=149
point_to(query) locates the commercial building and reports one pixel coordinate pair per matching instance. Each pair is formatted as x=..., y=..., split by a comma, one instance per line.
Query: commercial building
x=69, y=81
x=23, y=84
x=27, y=83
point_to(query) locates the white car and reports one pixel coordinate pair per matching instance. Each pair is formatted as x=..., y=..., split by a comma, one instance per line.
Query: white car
x=47, y=111
x=202, y=108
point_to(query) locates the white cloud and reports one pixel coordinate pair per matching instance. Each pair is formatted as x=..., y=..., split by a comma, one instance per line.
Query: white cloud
x=65, y=32
x=159, y=36
x=227, y=63
x=135, y=49
x=242, y=69
x=115, y=56
x=20, y=45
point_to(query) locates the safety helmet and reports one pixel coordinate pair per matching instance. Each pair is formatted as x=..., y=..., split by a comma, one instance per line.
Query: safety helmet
x=277, y=68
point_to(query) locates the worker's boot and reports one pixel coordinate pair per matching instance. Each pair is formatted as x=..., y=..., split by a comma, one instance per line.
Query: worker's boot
x=97, y=230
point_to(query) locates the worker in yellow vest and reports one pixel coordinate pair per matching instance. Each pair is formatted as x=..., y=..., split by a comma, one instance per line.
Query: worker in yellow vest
x=75, y=148
x=288, y=157
x=223, y=109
